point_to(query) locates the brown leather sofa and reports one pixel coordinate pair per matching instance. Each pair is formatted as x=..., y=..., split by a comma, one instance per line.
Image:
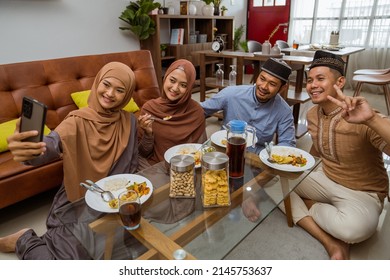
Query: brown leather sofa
x=51, y=82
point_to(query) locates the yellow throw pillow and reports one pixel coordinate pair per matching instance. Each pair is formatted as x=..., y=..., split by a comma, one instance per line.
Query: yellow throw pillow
x=81, y=100
x=8, y=128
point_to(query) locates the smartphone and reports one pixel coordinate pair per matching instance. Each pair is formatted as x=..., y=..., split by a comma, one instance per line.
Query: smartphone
x=33, y=118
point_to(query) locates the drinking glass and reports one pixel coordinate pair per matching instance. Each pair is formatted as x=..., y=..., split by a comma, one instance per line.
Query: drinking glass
x=232, y=76
x=295, y=45
x=219, y=74
x=130, y=209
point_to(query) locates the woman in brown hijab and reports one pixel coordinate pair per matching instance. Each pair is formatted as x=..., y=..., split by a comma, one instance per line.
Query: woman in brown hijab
x=94, y=142
x=172, y=119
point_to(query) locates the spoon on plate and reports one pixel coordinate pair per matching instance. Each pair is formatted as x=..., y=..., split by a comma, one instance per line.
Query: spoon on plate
x=268, y=148
x=106, y=195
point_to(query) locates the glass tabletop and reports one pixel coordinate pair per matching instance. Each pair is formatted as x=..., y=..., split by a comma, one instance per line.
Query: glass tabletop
x=169, y=224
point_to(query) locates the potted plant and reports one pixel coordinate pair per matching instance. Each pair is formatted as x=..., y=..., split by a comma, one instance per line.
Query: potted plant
x=163, y=48
x=137, y=16
x=238, y=32
x=223, y=10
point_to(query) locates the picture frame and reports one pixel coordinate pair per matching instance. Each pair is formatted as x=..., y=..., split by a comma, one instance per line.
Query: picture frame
x=184, y=7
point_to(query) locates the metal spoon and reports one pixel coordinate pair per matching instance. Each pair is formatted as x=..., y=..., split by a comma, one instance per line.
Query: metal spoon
x=268, y=148
x=106, y=195
x=162, y=119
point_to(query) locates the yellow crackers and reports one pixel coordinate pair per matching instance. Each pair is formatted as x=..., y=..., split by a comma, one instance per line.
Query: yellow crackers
x=215, y=188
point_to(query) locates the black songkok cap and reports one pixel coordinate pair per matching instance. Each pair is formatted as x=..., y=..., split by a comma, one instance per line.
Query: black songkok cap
x=277, y=68
x=327, y=59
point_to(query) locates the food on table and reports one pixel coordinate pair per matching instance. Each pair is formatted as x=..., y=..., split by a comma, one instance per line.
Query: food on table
x=197, y=158
x=290, y=159
x=192, y=151
x=224, y=142
x=115, y=184
x=167, y=118
x=215, y=188
x=182, y=184
x=114, y=203
x=140, y=188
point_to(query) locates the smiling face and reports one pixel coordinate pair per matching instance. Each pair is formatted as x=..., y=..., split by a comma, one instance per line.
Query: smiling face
x=175, y=85
x=267, y=86
x=320, y=83
x=110, y=93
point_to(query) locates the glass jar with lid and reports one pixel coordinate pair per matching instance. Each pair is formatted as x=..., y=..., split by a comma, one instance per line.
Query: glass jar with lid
x=182, y=177
x=215, y=180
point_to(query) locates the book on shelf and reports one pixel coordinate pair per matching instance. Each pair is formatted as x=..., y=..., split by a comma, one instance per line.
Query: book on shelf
x=177, y=36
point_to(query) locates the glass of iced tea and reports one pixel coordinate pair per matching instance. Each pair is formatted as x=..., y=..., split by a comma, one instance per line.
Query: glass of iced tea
x=295, y=45
x=129, y=209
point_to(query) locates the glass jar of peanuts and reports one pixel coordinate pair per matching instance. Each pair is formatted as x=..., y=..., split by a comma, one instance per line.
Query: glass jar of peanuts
x=182, y=183
x=215, y=180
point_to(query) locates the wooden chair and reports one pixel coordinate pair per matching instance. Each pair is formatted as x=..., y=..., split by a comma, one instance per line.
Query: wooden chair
x=371, y=71
x=382, y=80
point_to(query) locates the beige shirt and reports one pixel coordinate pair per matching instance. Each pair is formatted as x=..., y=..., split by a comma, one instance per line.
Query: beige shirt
x=351, y=153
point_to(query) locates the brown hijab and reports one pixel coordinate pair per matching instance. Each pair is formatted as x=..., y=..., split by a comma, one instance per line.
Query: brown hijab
x=94, y=138
x=187, y=124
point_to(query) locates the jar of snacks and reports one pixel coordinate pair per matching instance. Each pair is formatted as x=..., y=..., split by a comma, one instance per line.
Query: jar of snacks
x=215, y=180
x=182, y=177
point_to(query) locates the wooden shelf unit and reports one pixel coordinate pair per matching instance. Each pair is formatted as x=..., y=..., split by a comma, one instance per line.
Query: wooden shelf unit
x=190, y=24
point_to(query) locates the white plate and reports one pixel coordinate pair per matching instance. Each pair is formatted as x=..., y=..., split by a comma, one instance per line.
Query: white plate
x=182, y=149
x=220, y=135
x=281, y=150
x=95, y=201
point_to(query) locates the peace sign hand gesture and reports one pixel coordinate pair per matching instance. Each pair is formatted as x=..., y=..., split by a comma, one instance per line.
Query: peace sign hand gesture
x=355, y=109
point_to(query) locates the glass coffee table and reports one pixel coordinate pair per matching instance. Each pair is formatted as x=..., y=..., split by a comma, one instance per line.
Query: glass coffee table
x=171, y=224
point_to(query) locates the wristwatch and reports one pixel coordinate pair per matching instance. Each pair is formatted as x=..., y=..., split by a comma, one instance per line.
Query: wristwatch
x=217, y=44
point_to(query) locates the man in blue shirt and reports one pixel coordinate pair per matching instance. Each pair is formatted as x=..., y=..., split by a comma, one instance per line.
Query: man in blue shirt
x=259, y=105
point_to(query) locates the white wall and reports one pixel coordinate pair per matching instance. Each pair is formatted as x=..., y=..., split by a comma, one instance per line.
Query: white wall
x=45, y=29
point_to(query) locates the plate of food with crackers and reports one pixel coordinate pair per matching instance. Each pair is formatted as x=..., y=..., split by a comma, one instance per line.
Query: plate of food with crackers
x=117, y=184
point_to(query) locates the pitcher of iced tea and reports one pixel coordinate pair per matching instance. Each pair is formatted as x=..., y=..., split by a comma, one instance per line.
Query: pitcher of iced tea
x=237, y=138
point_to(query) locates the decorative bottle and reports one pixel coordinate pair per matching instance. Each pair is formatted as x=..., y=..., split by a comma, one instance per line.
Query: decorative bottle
x=275, y=50
x=266, y=47
x=232, y=76
x=219, y=75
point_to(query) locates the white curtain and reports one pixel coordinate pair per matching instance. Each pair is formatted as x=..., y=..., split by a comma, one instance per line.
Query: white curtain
x=359, y=22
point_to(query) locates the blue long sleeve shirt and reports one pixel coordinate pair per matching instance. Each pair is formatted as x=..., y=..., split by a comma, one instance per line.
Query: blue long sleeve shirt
x=240, y=103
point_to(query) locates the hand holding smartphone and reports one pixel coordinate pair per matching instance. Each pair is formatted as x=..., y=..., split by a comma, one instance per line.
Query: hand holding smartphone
x=33, y=118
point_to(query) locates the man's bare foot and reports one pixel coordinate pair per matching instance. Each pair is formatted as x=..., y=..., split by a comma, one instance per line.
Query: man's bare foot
x=8, y=243
x=338, y=250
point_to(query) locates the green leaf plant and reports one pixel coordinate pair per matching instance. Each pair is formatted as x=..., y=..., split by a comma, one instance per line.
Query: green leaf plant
x=137, y=16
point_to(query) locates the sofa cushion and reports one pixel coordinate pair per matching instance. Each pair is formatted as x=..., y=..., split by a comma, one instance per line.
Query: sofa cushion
x=81, y=100
x=8, y=128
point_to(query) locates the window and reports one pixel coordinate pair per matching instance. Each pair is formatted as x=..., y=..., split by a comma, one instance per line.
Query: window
x=359, y=22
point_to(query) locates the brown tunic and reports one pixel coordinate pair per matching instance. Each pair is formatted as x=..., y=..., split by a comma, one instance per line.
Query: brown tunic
x=351, y=153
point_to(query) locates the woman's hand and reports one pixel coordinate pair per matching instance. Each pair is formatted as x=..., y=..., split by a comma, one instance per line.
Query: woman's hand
x=145, y=122
x=23, y=151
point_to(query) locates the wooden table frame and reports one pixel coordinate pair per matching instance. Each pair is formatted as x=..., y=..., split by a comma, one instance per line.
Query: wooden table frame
x=161, y=246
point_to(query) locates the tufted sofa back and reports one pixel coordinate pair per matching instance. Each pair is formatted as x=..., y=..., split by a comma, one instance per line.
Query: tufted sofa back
x=52, y=81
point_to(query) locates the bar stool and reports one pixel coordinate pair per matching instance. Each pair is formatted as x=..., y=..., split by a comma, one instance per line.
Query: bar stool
x=371, y=71
x=379, y=80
